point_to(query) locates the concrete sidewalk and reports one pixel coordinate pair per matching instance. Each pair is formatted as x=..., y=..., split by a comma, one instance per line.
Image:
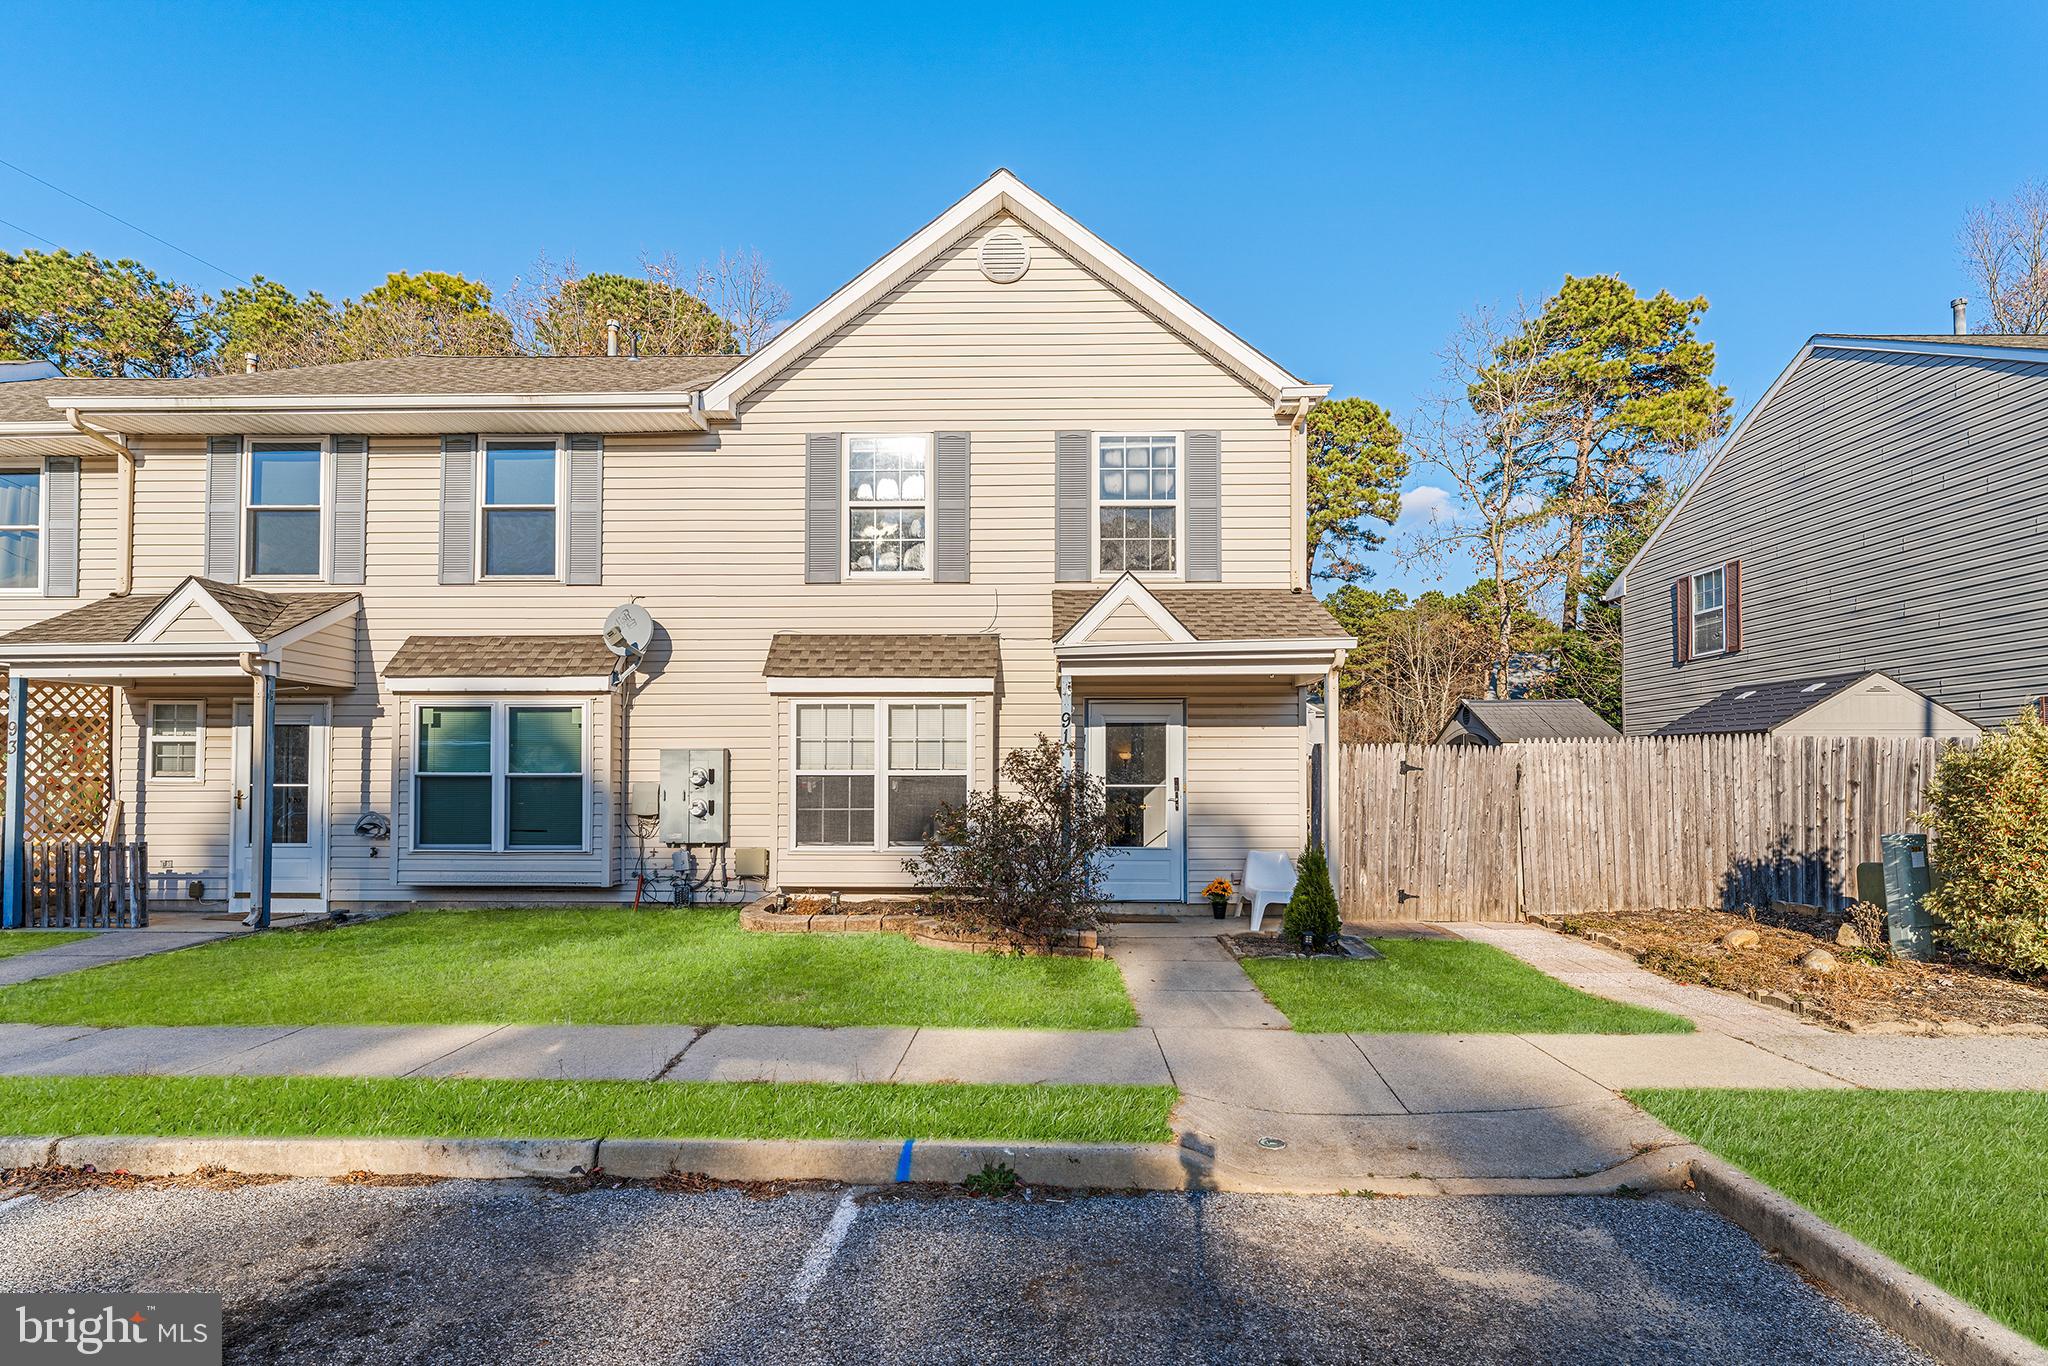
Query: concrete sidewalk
x=1338, y=1106
x=164, y=933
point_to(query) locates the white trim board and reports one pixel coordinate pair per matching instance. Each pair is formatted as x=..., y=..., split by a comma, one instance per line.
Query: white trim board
x=788, y=686
x=1003, y=192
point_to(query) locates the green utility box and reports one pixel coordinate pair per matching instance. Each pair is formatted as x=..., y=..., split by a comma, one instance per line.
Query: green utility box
x=1907, y=923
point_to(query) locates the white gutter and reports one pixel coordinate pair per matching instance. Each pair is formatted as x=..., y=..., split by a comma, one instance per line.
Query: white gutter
x=686, y=403
x=124, y=582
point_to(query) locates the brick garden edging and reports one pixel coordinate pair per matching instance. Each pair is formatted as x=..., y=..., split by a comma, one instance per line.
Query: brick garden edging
x=763, y=917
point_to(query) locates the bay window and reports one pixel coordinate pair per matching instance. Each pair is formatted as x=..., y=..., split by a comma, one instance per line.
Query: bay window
x=1137, y=503
x=495, y=776
x=854, y=793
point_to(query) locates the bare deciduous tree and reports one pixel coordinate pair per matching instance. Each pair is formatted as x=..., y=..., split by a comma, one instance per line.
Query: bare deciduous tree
x=1481, y=431
x=740, y=288
x=1420, y=664
x=2005, y=249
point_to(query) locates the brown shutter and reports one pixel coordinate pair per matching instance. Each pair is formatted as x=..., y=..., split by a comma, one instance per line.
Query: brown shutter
x=1733, y=597
x=1681, y=619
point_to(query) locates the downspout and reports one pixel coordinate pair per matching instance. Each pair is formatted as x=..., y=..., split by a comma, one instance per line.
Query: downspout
x=124, y=511
x=1297, y=463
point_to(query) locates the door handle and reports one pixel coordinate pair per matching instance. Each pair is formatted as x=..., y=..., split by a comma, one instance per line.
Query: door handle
x=1176, y=794
x=238, y=799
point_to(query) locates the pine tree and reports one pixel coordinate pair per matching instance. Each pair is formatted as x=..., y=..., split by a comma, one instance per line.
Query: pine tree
x=1312, y=910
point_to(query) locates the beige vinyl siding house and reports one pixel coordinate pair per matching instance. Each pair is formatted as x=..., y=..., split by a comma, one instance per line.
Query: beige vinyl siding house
x=703, y=512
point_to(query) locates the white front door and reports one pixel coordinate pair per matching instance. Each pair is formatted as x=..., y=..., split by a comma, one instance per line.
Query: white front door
x=1139, y=752
x=298, y=802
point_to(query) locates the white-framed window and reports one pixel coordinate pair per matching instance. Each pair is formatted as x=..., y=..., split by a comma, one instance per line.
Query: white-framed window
x=519, y=522
x=501, y=775
x=888, y=506
x=872, y=774
x=1138, y=503
x=1709, y=612
x=177, y=750
x=21, y=529
x=285, y=508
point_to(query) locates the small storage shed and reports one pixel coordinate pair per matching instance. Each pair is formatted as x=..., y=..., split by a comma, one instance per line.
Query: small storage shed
x=1864, y=702
x=1483, y=721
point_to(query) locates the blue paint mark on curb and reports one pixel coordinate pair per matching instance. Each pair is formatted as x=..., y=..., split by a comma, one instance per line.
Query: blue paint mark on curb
x=903, y=1162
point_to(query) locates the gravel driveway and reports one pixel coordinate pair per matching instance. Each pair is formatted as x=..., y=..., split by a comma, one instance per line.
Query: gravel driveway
x=500, y=1272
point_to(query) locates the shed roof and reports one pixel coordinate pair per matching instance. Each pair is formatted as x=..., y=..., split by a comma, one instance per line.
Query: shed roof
x=501, y=656
x=1514, y=720
x=804, y=655
x=1762, y=706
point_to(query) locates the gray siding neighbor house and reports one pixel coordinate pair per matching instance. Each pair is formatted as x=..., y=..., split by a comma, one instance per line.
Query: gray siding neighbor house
x=1484, y=721
x=1880, y=510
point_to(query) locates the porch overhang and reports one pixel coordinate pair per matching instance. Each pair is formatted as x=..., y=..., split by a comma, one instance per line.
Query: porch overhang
x=1292, y=660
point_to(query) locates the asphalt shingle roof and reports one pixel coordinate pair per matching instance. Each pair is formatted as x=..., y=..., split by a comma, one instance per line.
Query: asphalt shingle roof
x=801, y=655
x=1512, y=721
x=1761, y=706
x=264, y=615
x=1218, y=613
x=500, y=656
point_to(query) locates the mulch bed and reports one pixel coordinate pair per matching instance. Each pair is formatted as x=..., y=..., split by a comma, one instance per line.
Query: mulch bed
x=1867, y=991
x=824, y=905
x=1264, y=945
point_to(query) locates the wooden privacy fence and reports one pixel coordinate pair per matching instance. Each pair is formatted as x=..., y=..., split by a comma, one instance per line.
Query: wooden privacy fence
x=1450, y=832
x=88, y=884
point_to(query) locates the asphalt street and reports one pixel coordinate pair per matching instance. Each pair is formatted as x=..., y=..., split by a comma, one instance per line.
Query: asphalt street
x=511, y=1272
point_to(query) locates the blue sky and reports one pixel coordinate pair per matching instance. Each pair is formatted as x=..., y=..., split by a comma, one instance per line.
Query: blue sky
x=1335, y=184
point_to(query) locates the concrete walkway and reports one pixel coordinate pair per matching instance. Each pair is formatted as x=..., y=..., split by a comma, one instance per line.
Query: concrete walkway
x=1343, y=1109
x=165, y=932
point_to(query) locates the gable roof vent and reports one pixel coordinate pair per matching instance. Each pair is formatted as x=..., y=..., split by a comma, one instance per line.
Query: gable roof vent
x=1003, y=256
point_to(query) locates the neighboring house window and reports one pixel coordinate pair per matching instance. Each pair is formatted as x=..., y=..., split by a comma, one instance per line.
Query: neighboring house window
x=284, y=508
x=886, y=512
x=520, y=494
x=1137, y=491
x=498, y=776
x=854, y=793
x=1709, y=612
x=21, y=529
x=174, y=749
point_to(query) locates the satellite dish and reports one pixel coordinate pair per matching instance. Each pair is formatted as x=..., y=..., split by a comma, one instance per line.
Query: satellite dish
x=628, y=630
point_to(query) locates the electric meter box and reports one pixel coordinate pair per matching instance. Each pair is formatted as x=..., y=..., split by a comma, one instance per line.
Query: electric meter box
x=694, y=795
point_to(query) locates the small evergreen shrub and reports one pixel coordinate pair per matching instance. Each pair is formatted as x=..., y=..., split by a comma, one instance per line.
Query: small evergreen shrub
x=1312, y=910
x=1987, y=818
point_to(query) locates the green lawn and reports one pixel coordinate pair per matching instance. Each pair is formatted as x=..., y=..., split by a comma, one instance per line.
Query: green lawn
x=358, y=1107
x=1441, y=986
x=607, y=965
x=14, y=942
x=1950, y=1183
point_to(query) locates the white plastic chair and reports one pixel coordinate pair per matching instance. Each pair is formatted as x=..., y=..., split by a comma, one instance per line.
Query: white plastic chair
x=1268, y=878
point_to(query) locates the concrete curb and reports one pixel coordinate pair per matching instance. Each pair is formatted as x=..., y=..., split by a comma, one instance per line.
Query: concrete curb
x=1913, y=1307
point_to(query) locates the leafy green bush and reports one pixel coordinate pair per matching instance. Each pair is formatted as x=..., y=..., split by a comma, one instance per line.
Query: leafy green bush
x=1312, y=910
x=1987, y=816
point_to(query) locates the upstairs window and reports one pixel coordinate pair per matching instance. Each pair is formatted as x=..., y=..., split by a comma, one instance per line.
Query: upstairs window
x=21, y=529
x=886, y=505
x=1137, y=499
x=1709, y=612
x=284, y=509
x=521, y=489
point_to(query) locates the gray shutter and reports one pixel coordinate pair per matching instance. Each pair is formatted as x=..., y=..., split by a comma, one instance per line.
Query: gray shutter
x=349, y=524
x=952, y=466
x=458, y=509
x=1203, y=500
x=223, y=508
x=821, y=507
x=1070, y=485
x=586, y=510
x=60, y=526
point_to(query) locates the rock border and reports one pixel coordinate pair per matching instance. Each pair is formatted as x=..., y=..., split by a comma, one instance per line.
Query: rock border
x=763, y=916
x=1792, y=1005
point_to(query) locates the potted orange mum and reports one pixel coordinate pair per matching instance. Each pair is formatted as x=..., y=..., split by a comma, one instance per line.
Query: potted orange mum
x=1219, y=893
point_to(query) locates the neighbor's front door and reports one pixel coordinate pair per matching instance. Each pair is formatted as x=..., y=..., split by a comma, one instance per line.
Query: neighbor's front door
x=298, y=802
x=1138, y=751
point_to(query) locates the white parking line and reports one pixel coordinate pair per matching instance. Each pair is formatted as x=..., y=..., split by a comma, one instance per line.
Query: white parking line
x=819, y=1259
